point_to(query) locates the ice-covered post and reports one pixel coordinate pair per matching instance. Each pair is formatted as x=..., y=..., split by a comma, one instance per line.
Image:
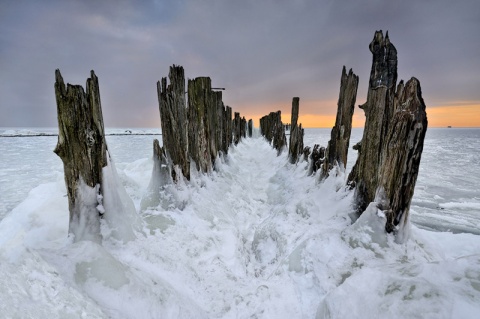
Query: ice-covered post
x=171, y=100
x=401, y=156
x=83, y=150
x=337, y=148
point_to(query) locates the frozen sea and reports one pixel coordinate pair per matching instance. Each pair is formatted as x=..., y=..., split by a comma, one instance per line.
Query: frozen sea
x=257, y=238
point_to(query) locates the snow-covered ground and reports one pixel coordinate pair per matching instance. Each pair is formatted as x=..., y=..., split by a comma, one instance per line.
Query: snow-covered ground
x=257, y=238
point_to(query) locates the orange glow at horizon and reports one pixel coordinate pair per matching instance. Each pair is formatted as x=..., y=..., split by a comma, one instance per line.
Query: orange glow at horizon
x=467, y=115
x=455, y=116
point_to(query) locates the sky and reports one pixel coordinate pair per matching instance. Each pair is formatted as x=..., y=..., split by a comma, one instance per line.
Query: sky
x=263, y=52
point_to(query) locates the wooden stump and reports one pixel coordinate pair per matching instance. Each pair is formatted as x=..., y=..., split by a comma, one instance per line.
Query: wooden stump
x=337, y=148
x=402, y=153
x=171, y=100
x=250, y=128
x=228, y=137
x=316, y=158
x=296, y=134
x=378, y=112
x=272, y=128
x=199, y=97
x=83, y=150
x=390, y=151
x=237, y=131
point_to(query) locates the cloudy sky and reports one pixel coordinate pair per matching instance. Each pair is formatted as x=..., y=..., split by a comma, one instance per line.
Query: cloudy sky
x=263, y=53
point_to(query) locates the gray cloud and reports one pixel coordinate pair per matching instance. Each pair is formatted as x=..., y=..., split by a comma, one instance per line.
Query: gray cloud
x=263, y=52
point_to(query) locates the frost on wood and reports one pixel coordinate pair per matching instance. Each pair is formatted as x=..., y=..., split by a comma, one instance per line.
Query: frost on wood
x=389, y=153
x=93, y=187
x=337, y=148
x=171, y=100
x=83, y=150
x=295, y=147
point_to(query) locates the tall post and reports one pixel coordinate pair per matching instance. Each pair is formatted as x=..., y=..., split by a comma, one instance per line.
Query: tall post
x=337, y=148
x=173, y=118
x=83, y=150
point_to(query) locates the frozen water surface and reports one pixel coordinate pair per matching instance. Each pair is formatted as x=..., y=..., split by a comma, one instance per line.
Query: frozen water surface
x=255, y=239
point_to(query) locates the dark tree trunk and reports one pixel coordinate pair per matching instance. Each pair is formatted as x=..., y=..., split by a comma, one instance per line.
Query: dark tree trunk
x=173, y=117
x=83, y=150
x=337, y=149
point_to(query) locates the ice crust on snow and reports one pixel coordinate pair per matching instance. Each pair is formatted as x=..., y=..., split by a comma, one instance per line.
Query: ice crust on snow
x=255, y=238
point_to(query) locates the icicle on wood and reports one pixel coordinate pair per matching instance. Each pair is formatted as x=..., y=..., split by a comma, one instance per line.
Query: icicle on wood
x=83, y=150
x=296, y=134
x=337, y=149
x=160, y=181
x=173, y=118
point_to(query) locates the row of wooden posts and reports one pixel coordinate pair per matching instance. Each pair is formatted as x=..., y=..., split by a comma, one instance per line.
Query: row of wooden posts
x=198, y=133
x=389, y=153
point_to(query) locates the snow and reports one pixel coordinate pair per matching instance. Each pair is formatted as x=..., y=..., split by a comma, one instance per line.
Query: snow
x=255, y=238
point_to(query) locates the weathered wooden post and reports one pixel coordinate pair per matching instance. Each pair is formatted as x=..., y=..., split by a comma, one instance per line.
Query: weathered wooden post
x=317, y=158
x=250, y=128
x=295, y=147
x=401, y=156
x=83, y=150
x=171, y=100
x=199, y=96
x=228, y=140
x=237, y=130
x=273, y=130
x=279, y=138
x=243, y=127
x=390, y=151
x=378, y=112
x=337, y=148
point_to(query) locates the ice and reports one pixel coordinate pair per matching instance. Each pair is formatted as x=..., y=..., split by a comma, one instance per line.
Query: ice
x=256, y=238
